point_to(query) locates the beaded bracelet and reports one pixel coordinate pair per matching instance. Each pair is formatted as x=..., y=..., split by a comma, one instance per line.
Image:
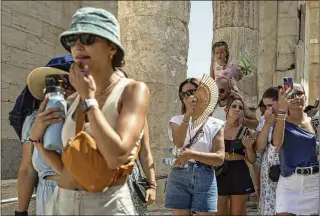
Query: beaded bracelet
x=281, y=119
x=186, y=123
x=34, y=141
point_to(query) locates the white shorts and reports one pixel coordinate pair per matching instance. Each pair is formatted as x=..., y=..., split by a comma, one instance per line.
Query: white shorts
x=298, y=194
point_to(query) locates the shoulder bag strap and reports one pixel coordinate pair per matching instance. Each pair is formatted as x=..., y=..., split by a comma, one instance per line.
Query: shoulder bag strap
x=241, y=132
x=196, y=134
x=80, y=118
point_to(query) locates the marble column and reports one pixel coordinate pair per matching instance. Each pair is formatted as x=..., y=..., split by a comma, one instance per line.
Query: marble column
x=236, y=22
x=155, y=36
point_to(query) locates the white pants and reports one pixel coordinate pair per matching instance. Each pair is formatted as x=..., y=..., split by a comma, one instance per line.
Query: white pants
x=298, y=194
x=116, y=200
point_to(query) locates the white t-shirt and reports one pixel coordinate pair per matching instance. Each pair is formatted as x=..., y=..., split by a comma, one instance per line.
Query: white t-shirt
x=219, y=113
x=203, y=142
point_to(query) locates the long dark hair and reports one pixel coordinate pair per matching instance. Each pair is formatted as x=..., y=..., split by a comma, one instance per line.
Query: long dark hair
x=272, y=93
x=192, y=81
x=221, y=44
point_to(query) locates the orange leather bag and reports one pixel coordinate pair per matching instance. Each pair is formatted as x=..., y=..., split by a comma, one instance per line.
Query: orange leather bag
x=83, y=160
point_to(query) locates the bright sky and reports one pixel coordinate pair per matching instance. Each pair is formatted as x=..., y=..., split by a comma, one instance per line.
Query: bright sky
x=200, y=37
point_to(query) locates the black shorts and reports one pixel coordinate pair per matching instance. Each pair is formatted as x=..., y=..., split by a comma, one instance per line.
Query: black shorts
x=237, y=180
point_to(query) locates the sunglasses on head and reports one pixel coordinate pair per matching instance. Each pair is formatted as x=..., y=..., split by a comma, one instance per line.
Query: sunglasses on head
x=85, y=39
x=187, y=93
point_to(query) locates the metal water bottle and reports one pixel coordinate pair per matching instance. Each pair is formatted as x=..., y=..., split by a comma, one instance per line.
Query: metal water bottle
x=52, y=136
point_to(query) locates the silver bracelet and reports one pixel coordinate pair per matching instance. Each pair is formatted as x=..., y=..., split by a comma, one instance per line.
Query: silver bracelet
x=186, y=123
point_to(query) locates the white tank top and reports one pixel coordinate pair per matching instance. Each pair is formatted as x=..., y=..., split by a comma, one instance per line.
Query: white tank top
x=219, y=113
x=109, y=110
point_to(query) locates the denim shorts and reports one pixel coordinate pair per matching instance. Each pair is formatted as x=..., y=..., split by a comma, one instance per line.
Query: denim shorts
x=193, y=188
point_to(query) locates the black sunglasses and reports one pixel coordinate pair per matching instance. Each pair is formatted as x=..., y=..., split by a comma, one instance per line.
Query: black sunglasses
x=222, y=91
x=85, y=39
x=188, y=93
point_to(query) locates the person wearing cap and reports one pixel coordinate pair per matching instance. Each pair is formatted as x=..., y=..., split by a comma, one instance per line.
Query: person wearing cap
x=115, y=108
x=32, y=162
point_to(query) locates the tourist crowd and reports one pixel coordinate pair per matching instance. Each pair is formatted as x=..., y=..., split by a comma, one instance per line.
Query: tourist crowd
x=218, y=165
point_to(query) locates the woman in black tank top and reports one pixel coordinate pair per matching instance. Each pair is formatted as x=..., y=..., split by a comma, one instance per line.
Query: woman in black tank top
x=234, y=181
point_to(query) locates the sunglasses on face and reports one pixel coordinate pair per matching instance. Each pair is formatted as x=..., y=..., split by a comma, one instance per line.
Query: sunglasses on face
x=297, y=95
x=85, y=39
x=187, y=93
x=222, y=91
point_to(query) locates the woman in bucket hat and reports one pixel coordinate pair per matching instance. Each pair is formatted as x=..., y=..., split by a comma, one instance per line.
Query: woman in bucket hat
x=32, y=162
x=115, y=108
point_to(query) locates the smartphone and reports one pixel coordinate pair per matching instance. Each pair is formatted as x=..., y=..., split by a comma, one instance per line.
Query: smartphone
x=287, y=83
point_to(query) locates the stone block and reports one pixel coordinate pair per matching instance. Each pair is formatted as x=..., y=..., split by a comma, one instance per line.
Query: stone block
x=63, y=21
x=51, y=34
x=284, y=61
x=5, y=53
x=11, y=150
x=178, y=10
x=17, y=6
x=14, y=37
x=314, y=15
x=7, y=130
x=313, y=92
x=28, y=60
x=314, y=53
x=42, y=12
x=314, y=30
x=286, y=44
x=235, y=14
x=39, y=46
x=267, y=28
x=10, y=92
x=11, y=72
x=288, y=8
x=74, y=6
x=111, y=6
x=60, y=51
x=288, y=26
x=267, y=10
x=6, y=18
x=313, y=4
x=6, y=107
x=26, y=23
x=160, y=43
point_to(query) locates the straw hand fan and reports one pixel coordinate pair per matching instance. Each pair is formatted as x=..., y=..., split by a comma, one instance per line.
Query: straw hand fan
x=207, y=98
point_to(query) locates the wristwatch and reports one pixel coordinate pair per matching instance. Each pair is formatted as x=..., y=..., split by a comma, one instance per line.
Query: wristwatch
x=88, y=103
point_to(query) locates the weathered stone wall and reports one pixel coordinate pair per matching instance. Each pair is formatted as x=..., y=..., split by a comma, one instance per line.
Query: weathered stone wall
x=314, y=27
x=156, y=38
x=30, y=31
x=236, y=22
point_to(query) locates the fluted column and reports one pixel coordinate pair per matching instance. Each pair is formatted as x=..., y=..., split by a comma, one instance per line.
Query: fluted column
x=236, y=22
x=155, y=36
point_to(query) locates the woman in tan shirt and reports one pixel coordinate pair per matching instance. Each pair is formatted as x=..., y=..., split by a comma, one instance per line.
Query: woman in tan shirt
x=115, y=108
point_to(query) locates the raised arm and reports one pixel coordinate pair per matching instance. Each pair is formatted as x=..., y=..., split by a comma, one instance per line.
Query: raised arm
x=116, y=145
x=250, y=119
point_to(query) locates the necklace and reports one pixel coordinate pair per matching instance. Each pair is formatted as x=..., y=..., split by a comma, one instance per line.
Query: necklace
x=107, y=88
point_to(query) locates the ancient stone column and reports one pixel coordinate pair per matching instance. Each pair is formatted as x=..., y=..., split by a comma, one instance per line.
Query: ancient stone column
x=236, y=22
x=155, y=36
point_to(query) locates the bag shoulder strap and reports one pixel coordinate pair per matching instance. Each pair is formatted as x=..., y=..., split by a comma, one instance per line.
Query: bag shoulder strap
x=241, y=132
x=195, y=135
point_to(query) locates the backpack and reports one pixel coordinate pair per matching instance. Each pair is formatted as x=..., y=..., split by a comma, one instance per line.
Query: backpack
x=25, y=103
